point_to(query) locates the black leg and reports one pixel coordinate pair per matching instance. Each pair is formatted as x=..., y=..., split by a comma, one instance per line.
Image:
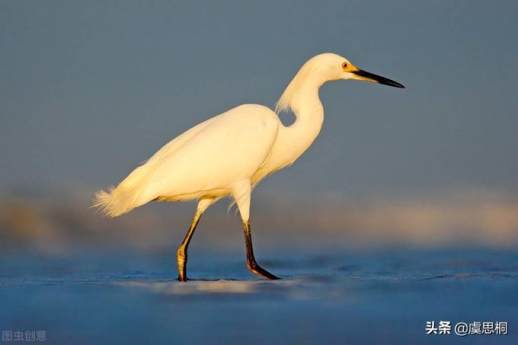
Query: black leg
x=181, y=253
x=252, y=265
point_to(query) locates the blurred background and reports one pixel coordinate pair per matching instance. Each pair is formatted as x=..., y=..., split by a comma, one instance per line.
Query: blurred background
x=408, y=197
x=90, y=90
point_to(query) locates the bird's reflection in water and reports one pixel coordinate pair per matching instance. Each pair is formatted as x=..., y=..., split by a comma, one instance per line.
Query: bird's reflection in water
x=197, y=287
x=285, y=289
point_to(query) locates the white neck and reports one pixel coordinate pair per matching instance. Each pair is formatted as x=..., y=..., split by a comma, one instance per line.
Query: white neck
x=305, y=103
x=309, y=116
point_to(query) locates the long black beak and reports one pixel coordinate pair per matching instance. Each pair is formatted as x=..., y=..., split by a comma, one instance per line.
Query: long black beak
x=377, y=79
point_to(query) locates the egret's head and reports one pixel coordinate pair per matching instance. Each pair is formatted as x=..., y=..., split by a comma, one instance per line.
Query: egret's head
x=323, y=68
x=335, y=67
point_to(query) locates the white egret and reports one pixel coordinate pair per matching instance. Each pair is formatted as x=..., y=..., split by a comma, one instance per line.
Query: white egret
x=229, y=154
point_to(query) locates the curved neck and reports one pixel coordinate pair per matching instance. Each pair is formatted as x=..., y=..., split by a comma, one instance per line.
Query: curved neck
x=309, y=113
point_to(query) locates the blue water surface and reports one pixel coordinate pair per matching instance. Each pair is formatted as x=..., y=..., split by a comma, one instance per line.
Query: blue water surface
x=325, y=297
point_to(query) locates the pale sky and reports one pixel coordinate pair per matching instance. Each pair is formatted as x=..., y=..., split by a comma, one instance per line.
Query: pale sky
x=90, y=89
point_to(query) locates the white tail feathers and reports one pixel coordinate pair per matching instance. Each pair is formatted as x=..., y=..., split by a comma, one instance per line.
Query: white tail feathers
x=112, y=203
x=125, y=197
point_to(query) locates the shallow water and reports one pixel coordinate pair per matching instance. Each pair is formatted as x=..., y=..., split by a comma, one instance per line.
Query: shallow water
x=339, y=297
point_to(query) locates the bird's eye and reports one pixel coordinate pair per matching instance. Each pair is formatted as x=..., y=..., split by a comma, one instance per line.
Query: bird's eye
x=344, y=65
